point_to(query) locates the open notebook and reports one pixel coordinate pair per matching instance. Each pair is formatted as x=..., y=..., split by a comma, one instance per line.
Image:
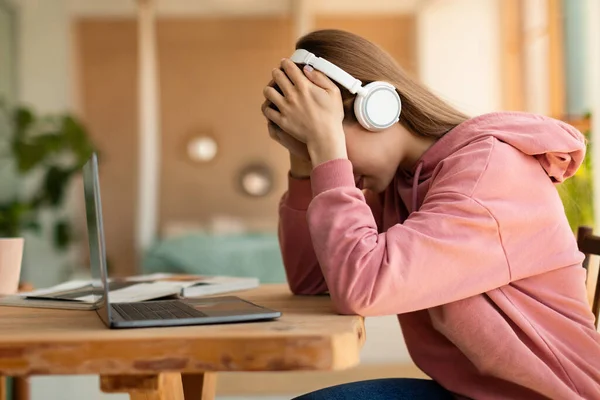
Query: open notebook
x=79, y=295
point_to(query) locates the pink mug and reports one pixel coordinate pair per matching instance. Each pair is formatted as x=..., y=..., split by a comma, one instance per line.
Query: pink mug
x=11, y=256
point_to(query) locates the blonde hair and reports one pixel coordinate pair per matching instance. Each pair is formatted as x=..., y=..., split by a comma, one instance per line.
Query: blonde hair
x=422, y=112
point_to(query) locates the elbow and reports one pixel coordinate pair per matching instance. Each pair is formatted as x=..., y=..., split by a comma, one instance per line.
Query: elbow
x=307, y=287
x=300, y=290
x=346, y=309
x=347, y=305
x=349, y=299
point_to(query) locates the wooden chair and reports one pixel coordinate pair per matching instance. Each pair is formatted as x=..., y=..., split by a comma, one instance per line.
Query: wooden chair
x=589, y=245
x=20, y=385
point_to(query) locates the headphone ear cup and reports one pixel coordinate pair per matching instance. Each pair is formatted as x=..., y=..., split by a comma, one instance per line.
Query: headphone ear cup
x=377, y=106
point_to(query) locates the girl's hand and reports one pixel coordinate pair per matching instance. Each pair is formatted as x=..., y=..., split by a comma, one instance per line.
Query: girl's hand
x=310, y=110
x=295, y=147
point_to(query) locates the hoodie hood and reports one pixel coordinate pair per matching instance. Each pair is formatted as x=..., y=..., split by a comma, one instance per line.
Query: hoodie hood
x=559, y=147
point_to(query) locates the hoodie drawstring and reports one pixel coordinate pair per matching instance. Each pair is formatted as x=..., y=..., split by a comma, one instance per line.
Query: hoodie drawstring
x=415, y=185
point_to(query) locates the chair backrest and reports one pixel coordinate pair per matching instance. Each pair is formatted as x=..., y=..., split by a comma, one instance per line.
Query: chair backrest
x=589, y=244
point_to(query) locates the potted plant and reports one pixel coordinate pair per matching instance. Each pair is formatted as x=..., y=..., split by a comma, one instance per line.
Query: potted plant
x=577, y=192
x=54, y=147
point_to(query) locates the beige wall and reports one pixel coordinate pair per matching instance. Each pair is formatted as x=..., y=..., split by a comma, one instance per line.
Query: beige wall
x=212, y=72
x=108, y=56
x=397, y=34
x=459, y=51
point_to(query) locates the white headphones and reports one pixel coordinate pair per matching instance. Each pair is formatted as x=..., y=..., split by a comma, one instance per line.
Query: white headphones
x=377, y=105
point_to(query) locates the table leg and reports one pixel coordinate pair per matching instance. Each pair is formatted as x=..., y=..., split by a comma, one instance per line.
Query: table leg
x=3, y=388
x=20, y=388
x=166, y=386
x=199, y=386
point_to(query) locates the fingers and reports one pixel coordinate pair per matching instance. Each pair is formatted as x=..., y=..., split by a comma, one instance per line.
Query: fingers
x=282, y=81
x=299, y=101
x=293, y=72
x=319, y=79
x=272, y=128
x=274, y=116
x=273, y=131
x=274, y=97
x=293, y=145
x=267, y=103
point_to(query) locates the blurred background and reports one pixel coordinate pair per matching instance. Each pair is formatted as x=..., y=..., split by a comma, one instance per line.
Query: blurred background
x=168, y=92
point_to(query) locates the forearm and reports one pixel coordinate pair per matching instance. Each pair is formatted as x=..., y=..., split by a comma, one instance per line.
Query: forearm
x=327, y=147
x=302, y=269
x=300, y=168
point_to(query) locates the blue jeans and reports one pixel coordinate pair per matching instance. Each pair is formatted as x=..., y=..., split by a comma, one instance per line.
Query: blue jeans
x=382, y=389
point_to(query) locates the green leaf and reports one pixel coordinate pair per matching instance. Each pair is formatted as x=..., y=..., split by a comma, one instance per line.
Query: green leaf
x=28, y=155
x=73, y=131
x=13, y=216
x=75, y=134
x=83, y=154
x=23, y=119
x=39, y=140
x=51, y=143
x=55, y=184
x=80, y=143
x=62, y=235
x=33, y=226
x=577, y=194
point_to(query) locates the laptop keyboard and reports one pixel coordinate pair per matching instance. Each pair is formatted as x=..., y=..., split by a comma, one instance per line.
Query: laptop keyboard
x=156, y=310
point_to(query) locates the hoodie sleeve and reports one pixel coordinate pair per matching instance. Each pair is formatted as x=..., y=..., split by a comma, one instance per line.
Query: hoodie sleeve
x=299, y=260
x=302, y=268
x=448, y=250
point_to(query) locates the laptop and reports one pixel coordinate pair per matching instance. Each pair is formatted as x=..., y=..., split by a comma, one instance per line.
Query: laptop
x=156, y=313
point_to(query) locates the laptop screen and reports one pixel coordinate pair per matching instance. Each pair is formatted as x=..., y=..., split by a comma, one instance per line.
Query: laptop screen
x=95, y=230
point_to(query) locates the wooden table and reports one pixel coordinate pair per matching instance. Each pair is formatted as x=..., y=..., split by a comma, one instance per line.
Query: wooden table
x=177, y=363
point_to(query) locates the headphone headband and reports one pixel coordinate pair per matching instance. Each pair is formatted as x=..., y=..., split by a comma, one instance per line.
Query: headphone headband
x=334, y=72
x=377, y=105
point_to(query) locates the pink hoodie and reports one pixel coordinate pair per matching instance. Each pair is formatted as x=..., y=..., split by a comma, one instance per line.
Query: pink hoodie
x=472, y=251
